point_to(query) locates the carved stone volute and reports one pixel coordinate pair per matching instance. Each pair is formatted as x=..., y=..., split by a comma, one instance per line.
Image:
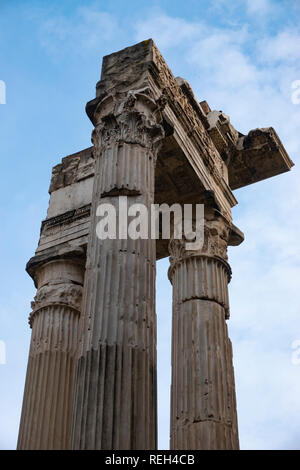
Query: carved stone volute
x=134, y=118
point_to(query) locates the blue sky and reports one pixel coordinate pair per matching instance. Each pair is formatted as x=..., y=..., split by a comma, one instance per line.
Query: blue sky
x=242, y=57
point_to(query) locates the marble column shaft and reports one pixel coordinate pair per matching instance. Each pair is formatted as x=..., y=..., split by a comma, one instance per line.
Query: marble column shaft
x=203, y=404
x=47, y=403
x=115, y=406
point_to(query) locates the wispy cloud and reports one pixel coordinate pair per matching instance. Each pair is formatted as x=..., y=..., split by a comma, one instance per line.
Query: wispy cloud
x=83, y=33
x=259, y=7
x=284, y=47
x=169, y=31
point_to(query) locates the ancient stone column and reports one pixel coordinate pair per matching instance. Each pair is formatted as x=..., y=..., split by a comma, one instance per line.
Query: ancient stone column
x=115, y=405
x=203, y=405
x=47, y=403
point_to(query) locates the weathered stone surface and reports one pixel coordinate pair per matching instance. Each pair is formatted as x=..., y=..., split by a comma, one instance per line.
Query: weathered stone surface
x=259, y=155
x=251, y=158
x=115, y=394
x=144, y=65
x=203, y=405
x=153, y=142
x=72, y=169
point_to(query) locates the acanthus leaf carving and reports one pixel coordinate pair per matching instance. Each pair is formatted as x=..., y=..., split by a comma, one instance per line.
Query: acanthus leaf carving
x=215, y=242
x=133, y=119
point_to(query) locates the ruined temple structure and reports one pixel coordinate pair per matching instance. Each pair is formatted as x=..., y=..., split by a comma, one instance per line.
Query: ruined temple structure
x=91, y=377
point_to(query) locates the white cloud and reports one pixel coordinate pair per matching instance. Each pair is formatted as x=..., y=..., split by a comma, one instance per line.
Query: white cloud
x=261, y=11
x=220, y=55
x=167, y=30
x=84, y=32
x=284, y=47
x=259, y=7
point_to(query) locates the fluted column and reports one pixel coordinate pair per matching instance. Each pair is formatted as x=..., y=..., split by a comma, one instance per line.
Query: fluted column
x=203, y=405
x=47, y=402
x=115, y=406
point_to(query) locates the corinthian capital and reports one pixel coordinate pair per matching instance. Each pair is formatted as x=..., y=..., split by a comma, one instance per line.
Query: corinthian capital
x=215, y=241
x=134, y=117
